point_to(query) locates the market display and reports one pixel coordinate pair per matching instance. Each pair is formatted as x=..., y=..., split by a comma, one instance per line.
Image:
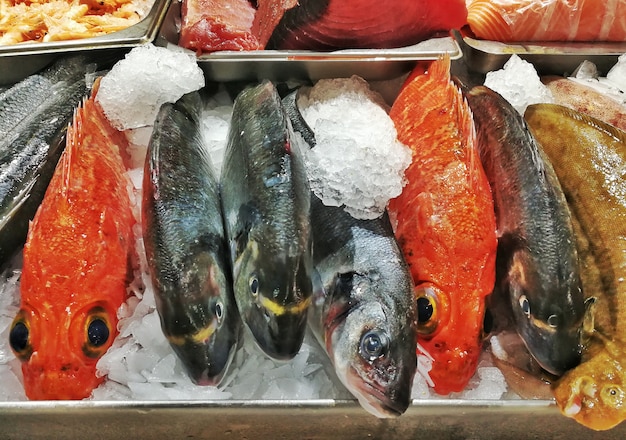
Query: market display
x=309, y=239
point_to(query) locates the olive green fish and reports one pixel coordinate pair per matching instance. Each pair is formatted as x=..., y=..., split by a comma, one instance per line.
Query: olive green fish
x=266, y=204
x=186, y=244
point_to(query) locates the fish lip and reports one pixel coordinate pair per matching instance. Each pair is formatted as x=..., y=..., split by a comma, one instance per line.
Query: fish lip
x=385, y=404
x=278, y=336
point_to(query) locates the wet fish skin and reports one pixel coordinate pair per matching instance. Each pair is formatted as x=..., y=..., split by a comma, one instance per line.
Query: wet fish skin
x=537, y=262
x=589, y=157
x=30, y=154
x=186, y=246
x=366, y=297
x=266, y=205
x=363, y=293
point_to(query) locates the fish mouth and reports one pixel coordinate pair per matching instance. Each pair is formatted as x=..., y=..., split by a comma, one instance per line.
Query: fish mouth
x=383, y=403
x=556, y=353
x=278, y=336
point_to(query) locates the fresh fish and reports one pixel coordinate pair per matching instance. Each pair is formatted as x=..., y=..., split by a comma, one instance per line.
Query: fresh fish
x=186, y=244
x=537, y=267
x=585, y=99
x=363, y=312
x=340, y=24
x=77, y=263
x=23, y=98
x=547, y=20
x=266, y=206
x=445, y=223
x=589, y=158
x=29, y=153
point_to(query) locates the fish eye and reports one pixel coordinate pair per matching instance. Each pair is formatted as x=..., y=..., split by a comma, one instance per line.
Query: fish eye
x=374, y=345
x=525, y=305
x=19, y=339
x=613, y=396
x=98, y=332
x=427, y=310
x=553, y=321
x=254, y=285
x=219, y=311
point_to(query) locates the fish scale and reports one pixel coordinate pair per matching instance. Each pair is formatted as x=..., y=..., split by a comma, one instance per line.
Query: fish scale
x=589, y=157
x=537, y=269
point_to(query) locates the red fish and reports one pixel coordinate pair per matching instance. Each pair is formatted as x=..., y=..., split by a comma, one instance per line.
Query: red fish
x=548, y=20
x=77, y=263
x=445, y=223
x=339, y=24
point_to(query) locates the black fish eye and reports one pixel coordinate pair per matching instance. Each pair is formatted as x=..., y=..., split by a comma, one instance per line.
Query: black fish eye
x=98, y=332
x=553, y=321
x=425, y=309
x=525, y=305
x=374, y=344
x=254, y=285
x=18, y=338
x=219, y=310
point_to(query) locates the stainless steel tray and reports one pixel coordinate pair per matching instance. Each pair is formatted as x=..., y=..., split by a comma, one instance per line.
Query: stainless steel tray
x=17, y=61
x=317, y=419
x=548, y=58
x=371, y=64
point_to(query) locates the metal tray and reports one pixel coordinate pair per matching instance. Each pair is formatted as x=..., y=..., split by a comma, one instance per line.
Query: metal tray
x=17, y=61
x=371, y=64
x=548, y=58
x=316, y=419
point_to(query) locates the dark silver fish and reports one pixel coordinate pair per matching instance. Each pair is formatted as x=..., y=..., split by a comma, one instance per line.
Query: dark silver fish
x=29, y=153
x=363, y=312
x=266, y=201
x=186, y=244
x=537, y=263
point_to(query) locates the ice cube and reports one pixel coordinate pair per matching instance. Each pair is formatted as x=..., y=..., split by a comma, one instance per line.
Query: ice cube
x=519, y=83
x=617, y=74
x=149, y=76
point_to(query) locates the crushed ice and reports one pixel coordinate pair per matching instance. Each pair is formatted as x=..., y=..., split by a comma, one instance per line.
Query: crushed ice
x=519, y=83
x=357, y=161
x=128, y=93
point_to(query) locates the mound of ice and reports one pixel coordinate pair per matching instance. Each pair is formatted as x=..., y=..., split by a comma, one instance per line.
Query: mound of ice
x=519, y=83
x=357, y=160
x=215, y=122
x=149, y=76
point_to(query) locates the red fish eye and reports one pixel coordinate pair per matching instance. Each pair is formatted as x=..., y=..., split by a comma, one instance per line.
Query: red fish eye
x=19, y=340
x=97, y=333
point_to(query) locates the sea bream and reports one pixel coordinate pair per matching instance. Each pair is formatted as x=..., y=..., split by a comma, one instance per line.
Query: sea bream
x=78, y=261
x=186, y=246
x=363, y=312
x=266, y=206
x=537, y=268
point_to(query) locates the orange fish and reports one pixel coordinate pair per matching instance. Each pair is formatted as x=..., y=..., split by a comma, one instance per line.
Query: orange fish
x=77, y=263
x=445, y=223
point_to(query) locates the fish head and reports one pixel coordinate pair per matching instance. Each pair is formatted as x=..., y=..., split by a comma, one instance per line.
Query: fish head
x=453, y=352
x=594, y=393
x=273, y=291
x=202, y=324
x=372, y=346
x=59, y=351
x=547, y=316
